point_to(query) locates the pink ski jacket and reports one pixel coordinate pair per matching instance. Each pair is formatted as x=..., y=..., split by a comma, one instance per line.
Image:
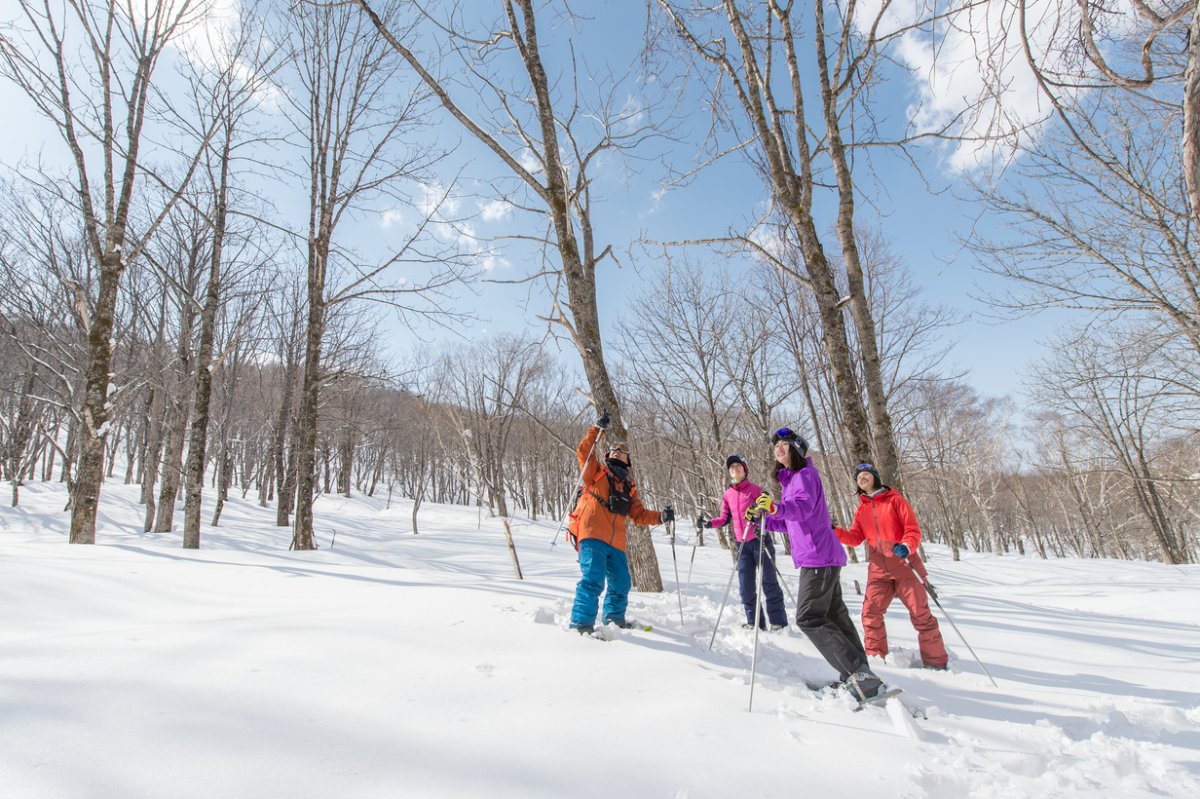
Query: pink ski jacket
x=734, y=504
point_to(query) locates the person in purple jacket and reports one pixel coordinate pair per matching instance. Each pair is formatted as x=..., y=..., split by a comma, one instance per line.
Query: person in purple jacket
x=821, y=612
x=738, y=498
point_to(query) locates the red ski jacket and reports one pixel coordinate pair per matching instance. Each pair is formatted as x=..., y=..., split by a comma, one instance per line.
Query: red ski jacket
x=882, y=520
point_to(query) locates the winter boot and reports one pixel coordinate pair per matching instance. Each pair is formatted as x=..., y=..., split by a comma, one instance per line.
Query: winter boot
x=863, y=685
x=777, y=627
x=582, y=629
x=624, y=625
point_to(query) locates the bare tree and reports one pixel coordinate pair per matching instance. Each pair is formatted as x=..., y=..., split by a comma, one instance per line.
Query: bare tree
x=758, y=61
x=482, y=389
x=1123, y=398
x=88, y=66
x=551, y=142
x=1122, y=52
x=352, y=112
x=229, y=93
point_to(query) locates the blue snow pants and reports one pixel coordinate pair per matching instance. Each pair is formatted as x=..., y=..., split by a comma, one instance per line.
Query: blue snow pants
x=601, y=563
x=747, y=568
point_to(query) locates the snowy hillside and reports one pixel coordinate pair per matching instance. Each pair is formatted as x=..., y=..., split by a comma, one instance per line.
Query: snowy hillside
x=396, y=665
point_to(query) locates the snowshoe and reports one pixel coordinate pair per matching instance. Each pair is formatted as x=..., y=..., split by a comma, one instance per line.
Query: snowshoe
x=622, y=623
x=863, y=686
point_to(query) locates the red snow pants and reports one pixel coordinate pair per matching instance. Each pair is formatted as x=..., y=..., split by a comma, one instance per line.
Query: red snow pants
x=887, y=578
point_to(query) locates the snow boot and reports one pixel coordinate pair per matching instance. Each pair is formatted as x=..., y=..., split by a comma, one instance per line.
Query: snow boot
x=582, y=629
x=863, y=685
x=624, y=625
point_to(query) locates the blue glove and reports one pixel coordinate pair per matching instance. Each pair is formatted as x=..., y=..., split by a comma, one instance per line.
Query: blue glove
x=900, y=551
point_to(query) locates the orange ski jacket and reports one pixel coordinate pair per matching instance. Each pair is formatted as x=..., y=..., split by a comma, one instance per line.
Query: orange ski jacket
x=591, y=517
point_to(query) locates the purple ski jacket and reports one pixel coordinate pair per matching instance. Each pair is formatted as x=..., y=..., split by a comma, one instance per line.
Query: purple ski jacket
x=801, y=512
x=737, y=500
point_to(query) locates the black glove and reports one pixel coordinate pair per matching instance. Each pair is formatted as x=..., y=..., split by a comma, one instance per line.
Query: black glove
x=667, y=514
x=603, y=421
x=702, y=523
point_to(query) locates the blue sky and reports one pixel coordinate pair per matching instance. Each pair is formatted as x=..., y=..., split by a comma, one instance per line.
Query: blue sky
x=923, y=228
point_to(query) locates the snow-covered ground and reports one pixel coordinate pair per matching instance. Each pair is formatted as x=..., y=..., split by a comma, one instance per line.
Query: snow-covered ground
x=396, y=665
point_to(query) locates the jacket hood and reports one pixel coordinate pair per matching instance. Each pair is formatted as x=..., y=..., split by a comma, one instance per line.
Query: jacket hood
x=863, y=496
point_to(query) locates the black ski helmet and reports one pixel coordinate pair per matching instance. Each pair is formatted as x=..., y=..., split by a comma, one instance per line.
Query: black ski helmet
x=732, y=459
x=871, y=470
x=794, y=439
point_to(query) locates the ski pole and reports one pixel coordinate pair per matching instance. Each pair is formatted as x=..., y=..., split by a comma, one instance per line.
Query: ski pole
x=691, y=565
x=757, y=620
x=933, y=595
x=675, y=563
x=692, y=562
x=578, y=485
x=779, y=575
x=737, y=555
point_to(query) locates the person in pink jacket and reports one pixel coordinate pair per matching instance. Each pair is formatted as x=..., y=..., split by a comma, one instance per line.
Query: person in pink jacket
x=738, y=498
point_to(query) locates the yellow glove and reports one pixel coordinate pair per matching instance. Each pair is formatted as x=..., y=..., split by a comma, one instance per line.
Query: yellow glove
x=762, y=505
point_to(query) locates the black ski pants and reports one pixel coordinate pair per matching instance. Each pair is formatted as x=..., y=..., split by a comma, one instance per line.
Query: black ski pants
x=821, y=613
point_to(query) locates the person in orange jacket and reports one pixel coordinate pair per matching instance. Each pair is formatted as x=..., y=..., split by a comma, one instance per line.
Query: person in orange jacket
x=608, y=497
x=886, y=521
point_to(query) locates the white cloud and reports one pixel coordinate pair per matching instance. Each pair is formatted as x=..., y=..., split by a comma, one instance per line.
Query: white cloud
x=656, y=198
x=495, y=210
x=631, y=117
x=205, y=42
x=487, y=256
x=437, y=200
x=530, y=162
x=390, y=218
x=958, y=66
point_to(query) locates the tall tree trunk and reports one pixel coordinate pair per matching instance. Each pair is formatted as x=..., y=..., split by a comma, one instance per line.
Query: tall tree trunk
x=193, y=472
x=284, y=425
x=306, y=436
x=89, y=474
x=20, y=435
x=172, y=462
x=883, y=436
x=1191, y=117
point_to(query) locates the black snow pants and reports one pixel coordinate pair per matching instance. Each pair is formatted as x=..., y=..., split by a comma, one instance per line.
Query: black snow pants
x=821, y=613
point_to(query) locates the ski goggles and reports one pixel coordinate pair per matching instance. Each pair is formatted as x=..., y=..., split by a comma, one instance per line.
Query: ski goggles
x=784, y=434
x=618, y=446
x=864, y=467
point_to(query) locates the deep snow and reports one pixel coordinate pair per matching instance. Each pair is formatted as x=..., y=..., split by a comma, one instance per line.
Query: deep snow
x=402, y=665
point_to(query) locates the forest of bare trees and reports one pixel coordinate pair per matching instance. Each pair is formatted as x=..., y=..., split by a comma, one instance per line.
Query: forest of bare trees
x=168, y=321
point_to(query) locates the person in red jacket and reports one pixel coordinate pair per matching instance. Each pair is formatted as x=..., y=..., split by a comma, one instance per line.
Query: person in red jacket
x=886, y=521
